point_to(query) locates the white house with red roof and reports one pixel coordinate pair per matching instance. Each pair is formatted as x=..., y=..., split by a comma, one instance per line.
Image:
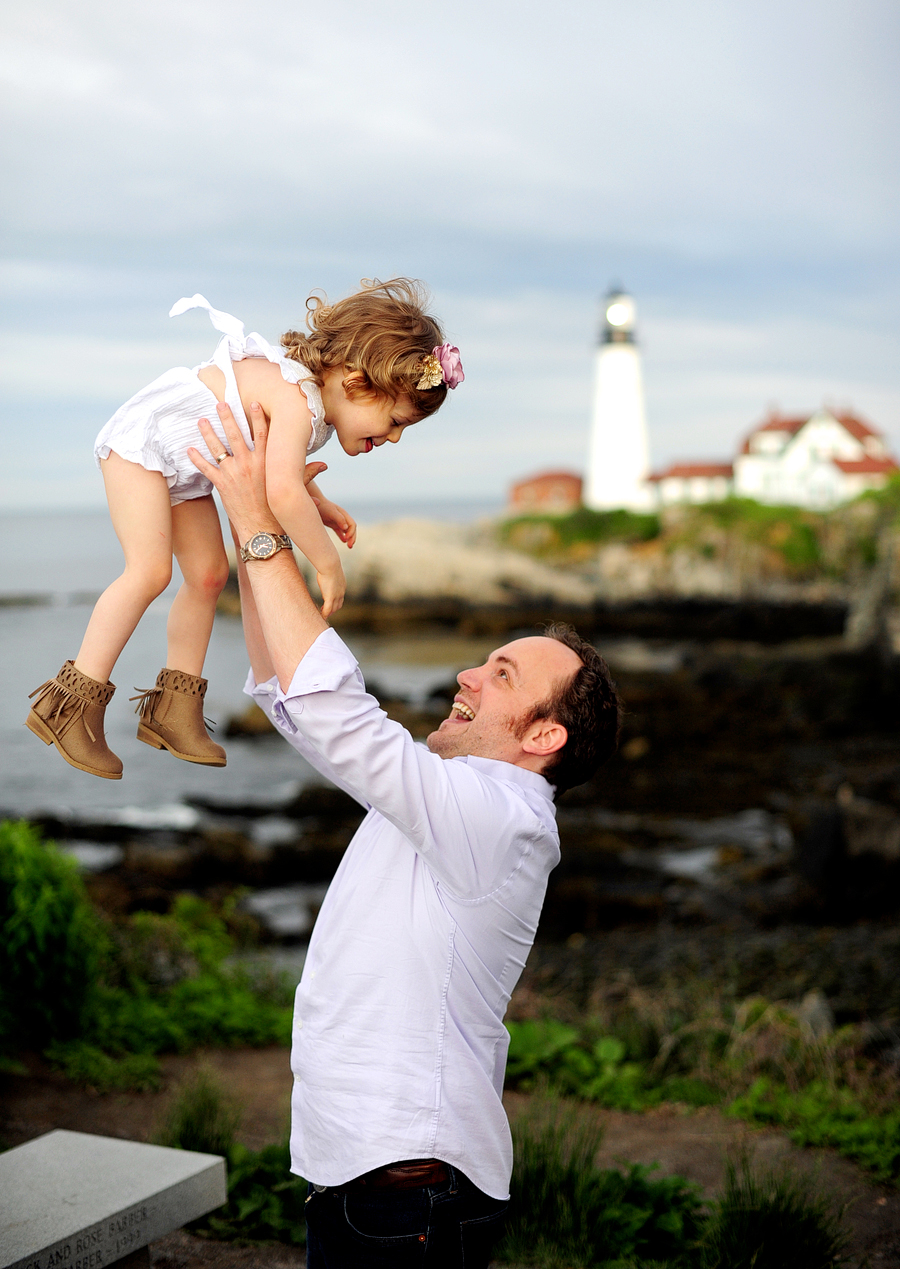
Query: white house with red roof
x=816, y=461
x=692, y=482
x=819, y=461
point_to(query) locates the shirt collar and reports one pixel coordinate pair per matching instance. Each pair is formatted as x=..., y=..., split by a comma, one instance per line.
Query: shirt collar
x=510, y=774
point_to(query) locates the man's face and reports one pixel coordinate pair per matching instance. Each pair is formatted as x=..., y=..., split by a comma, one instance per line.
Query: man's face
x=494, y=699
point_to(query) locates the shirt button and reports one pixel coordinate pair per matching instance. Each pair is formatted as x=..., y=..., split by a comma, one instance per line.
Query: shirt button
x=299, y=1024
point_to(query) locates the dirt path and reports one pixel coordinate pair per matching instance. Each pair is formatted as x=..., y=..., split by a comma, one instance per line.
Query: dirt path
x=694, y=1144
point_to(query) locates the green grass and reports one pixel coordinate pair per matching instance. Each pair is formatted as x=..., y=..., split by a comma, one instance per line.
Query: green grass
x=564, y=1213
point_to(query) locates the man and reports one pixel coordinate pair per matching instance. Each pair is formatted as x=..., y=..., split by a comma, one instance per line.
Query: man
x=399, y=1048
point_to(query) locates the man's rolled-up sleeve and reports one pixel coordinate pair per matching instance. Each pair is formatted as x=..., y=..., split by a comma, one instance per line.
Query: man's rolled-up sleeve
x=325, y=667
x=465, y=825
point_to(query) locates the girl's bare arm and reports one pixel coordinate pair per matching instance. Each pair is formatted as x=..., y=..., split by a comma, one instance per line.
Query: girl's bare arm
x=290, y=427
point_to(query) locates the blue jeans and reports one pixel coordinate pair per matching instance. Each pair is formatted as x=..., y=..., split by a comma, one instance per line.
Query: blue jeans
x=452, y=1225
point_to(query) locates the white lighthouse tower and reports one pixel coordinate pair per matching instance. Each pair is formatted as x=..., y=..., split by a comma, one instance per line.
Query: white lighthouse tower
x=619, y=456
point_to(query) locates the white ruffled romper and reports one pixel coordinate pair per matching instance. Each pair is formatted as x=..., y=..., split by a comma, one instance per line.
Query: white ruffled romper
x=155, y=427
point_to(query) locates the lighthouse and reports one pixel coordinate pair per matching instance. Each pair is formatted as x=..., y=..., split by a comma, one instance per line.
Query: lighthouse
x=619, y=455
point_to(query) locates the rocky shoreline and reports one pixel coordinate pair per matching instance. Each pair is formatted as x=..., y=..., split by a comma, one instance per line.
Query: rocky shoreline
x=757, y=788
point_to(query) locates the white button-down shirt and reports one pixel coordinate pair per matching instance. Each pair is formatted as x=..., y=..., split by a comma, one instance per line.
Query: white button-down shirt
x=399, y=1048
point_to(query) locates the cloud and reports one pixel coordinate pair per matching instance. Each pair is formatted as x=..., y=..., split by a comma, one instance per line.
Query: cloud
x=698, y=125
x=735, y=166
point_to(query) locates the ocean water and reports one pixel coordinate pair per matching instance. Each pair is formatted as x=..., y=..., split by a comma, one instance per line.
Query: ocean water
x=62, y=554
x=53, y=568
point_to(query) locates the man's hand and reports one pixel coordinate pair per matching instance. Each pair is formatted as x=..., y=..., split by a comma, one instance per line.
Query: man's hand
x=239, y=477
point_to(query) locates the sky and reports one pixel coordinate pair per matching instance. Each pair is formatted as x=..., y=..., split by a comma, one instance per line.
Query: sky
x=733, y=165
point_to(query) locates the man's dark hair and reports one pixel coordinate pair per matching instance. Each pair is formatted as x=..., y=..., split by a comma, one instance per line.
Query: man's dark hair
x=589, y=708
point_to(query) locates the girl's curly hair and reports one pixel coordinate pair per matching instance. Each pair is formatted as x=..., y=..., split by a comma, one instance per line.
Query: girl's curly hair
x=380, y=335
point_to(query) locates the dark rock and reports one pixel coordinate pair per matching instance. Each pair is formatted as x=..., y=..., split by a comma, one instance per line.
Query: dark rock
x=820, y=856
x=251, y=722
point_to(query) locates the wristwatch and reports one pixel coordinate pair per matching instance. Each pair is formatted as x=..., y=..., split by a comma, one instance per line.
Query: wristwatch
x=262, y=546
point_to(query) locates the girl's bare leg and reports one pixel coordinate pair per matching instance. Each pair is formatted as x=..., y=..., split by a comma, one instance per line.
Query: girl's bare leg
x=200, y=551
x=142, y=518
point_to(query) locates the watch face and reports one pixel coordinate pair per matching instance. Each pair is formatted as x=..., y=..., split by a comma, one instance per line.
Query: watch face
x=262, y=545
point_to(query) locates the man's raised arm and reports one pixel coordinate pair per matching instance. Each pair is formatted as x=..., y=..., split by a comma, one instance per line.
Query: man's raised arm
x=281, y=604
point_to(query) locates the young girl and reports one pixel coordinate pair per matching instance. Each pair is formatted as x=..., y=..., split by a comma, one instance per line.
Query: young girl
x=372, y=365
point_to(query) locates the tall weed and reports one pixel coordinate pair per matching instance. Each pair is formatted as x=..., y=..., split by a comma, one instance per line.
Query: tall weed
x=201, y=1117
x=769, y=1221
x=265, y=1200
x=565, y=1211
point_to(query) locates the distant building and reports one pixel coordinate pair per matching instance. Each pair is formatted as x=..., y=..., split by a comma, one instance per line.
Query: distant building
x=816, y=461
x=692, y=482
x=549, y=492
x=619, y=453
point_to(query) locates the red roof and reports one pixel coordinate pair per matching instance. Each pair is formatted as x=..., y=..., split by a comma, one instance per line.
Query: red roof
x=685, y=471
x=865, y=466
x=549, y=475
x=856, y=427
x=777, y=423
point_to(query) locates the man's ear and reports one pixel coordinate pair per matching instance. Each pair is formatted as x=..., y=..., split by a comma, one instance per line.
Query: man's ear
x=544, y=737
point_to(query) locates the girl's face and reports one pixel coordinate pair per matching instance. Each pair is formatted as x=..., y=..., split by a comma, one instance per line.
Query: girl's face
x=365, y=423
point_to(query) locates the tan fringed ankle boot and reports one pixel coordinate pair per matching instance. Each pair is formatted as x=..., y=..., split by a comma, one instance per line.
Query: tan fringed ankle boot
x=172, y=718
x=69, y=713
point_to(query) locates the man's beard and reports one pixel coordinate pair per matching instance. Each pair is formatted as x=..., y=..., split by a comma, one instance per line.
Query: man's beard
x=447, y=745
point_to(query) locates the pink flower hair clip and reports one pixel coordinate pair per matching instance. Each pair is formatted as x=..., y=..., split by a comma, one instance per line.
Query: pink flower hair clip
x=442, y=365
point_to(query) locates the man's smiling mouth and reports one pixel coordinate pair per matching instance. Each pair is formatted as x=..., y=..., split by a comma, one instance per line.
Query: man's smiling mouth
x=464, y=711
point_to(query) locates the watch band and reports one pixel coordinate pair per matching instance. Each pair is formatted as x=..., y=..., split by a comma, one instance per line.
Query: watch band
x=262, y=546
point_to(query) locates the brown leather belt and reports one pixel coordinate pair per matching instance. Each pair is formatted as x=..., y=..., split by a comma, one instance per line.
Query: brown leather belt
x=405, y=1175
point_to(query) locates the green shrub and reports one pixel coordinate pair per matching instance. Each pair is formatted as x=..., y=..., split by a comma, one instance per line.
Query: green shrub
x=265, y=1200
x=222, y=1010
x=87, y=1064
x=104, y=999
x=564, y=1211
x=769, y=1221
x=51, y=941
x=551, y=534
x=595, y=1069
x=156, y=951
x=823, y=1115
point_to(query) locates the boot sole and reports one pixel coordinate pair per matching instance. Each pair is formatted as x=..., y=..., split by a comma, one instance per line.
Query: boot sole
x=156, y=742
x=36, y=724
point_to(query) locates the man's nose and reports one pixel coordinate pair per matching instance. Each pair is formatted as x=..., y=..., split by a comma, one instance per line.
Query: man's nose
x=469, y=679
